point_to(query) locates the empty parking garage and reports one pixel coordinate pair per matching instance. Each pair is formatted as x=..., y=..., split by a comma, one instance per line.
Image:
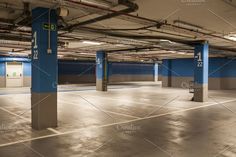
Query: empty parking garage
x=117, y=78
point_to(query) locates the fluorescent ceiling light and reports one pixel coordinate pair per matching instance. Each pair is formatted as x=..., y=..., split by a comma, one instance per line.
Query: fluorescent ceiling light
x=231, y=37
x=91, y=43
x=164, y=40
x=60, y=56
x=181, y=53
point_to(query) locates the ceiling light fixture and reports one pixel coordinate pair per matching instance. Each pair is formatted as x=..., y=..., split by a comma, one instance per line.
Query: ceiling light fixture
x=231, y=37
x=181, y=53
x=91, y=43
x=164, y=40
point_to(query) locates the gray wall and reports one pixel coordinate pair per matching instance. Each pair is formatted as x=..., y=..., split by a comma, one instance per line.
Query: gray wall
x=213, y=83
x=2, y=82
x=75, y=79
x=27, y=81
x=129, y=78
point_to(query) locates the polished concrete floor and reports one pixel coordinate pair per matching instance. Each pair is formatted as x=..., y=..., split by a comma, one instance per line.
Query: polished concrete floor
x=130, y=120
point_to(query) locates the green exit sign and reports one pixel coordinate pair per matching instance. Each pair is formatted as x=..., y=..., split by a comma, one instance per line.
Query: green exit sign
x=52, y=27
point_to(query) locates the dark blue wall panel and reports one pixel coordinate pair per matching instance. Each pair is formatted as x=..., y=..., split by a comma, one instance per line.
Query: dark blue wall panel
x=218, y=67
x=27, y=69
x=2, y=69
x=131, y=68
x=159, y=69
x=178, y=67
x=88, y=68
x=222, y=68
x=14, y=59
x=76, y=68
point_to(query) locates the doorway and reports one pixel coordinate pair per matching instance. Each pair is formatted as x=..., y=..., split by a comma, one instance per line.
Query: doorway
x=14, y=74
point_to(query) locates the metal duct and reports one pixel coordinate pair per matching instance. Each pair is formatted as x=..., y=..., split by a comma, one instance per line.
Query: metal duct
x=131, y=8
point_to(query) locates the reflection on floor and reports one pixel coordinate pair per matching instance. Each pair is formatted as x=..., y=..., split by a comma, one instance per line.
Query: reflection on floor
x=130, y=120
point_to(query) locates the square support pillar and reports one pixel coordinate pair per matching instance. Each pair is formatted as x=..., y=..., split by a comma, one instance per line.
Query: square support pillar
x=156, y=72
x=167, y=73
x=101, y=71
x=201, y=63
x=44, y=68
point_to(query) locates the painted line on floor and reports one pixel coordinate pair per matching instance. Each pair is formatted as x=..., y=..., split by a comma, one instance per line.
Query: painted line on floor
x=26, y=119
x=53, y=130
x=92, y=88
x=170, y=113
x=134, y=102
x=118, y=123
x=14, y=114
x=121, y=114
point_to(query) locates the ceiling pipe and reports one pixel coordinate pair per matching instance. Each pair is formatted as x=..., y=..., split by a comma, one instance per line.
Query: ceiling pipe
x=157, y=23
x=146, y=37
x=153, y=21
x=132, y=7
x=137, y=49
x=25, y=15
x=230, y=2
x=140, y=37
x=171, y=25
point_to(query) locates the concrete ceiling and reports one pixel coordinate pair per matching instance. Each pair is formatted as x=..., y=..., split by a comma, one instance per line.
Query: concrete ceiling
x=181, y=21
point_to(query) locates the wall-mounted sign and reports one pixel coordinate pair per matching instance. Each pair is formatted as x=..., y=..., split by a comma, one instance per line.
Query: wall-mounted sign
x=199, y=60
x=35, y=46
x=52, y=27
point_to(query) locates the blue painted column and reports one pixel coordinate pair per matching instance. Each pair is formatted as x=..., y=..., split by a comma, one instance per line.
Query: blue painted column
x=101, y=71
x=201, y=61
x=156, y=72
x=2, y=74
x=44, y=68
x=167, y=73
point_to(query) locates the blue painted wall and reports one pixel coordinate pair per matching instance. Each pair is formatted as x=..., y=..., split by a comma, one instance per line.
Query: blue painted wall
x=85, y=71
x=26, y=65
x=131, y=68
x=27, y=69
x=89, y=68
x=218, y=67
x=76, y=68
x=2, y=69
x=86, y=67
x=222, y=68
x=179, y=67
x=14, y=59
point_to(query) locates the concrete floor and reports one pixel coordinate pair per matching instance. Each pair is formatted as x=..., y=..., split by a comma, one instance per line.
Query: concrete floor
x=130, y=120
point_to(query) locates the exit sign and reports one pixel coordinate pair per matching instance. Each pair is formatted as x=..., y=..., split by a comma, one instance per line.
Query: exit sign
x=52, y=27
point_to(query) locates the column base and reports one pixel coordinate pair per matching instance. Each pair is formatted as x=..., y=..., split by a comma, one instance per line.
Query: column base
x=156, y=79
x=166, y=81
x=101, y=85
x=201, y=92
x=44, y=110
